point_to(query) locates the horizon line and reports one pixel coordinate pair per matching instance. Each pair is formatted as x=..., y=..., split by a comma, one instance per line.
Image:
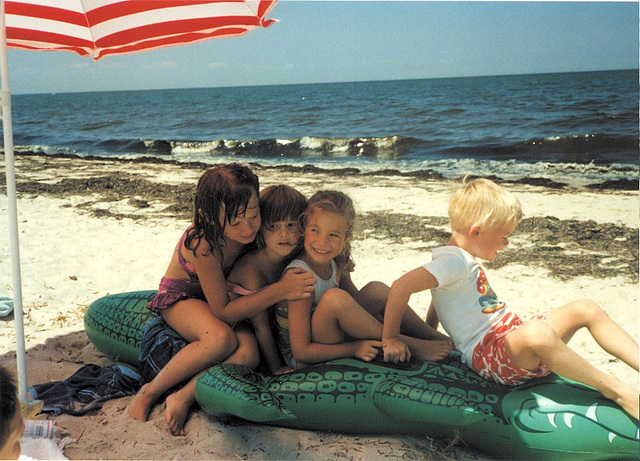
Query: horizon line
x=637, y=69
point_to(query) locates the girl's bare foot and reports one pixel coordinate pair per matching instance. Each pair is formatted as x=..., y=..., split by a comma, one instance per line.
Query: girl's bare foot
x=141, y=404
x=176, y=411
x=432, y=350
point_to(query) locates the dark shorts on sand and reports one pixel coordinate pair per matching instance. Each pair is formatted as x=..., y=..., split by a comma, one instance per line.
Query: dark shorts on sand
x=160, y=343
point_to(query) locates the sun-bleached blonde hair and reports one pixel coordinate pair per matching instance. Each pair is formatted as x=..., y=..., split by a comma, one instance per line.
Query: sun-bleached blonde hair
x=482, y=202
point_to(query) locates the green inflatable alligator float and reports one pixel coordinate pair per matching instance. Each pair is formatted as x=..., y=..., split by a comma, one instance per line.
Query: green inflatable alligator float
x=549, y=418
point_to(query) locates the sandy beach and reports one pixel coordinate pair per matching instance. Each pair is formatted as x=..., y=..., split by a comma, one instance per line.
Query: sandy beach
x=93, y=227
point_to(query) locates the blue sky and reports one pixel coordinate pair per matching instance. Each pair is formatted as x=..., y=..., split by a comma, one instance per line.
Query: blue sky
x=318, y=41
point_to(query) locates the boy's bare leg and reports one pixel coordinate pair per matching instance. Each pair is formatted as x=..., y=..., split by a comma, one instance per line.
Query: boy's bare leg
x=536, y=341
x=584, y=313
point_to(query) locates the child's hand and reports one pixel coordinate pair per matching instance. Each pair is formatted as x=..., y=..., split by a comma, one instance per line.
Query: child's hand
x=395, y=350
x=366, y=349
x=297, y=283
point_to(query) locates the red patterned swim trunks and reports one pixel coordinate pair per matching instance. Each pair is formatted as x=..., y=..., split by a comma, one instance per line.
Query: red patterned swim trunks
x=490, y=359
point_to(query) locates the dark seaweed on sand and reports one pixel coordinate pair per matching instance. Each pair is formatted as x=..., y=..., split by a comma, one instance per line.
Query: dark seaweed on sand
x=566, y=248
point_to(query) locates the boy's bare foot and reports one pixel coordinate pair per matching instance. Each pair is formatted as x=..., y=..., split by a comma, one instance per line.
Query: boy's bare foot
x=433, y=350
x=141, y=404
x=629, y=400
x=176, y=411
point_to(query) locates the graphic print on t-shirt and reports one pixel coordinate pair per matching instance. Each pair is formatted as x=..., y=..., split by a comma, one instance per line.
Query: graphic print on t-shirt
x=488, y=299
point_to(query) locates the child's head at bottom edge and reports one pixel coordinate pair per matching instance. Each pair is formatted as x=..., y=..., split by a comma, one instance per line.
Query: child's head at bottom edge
x=11, y=422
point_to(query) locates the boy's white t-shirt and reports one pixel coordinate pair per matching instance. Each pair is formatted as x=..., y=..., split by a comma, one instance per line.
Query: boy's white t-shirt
x=466, y=305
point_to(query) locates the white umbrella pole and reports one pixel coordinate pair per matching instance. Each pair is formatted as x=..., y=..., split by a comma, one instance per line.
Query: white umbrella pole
x=12, y=206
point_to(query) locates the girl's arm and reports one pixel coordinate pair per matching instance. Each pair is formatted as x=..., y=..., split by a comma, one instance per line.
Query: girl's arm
x=401, y=290
x=212, y=279
x=267, y=342
x=295, y=283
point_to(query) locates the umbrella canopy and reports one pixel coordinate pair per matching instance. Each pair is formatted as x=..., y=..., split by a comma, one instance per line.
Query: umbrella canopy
x=99, y=28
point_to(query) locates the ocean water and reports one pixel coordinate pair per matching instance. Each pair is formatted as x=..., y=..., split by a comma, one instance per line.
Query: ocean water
x=572, y=127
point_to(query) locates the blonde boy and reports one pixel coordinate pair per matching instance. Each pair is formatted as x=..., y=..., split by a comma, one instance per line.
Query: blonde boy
x=494, y=341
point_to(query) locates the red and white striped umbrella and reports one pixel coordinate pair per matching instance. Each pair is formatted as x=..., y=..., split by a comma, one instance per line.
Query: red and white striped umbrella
x=99, y=28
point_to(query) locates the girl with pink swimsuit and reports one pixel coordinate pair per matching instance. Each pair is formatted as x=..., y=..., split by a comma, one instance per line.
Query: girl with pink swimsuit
x=193, y=297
